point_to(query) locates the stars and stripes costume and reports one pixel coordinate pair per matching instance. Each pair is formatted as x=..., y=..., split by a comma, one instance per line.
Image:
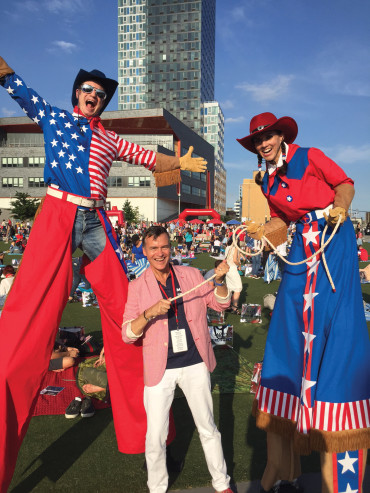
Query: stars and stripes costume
x=315, y=382
x=79, y=154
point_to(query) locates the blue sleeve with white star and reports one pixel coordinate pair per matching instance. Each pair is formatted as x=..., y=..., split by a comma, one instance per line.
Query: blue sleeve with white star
x=35, y=107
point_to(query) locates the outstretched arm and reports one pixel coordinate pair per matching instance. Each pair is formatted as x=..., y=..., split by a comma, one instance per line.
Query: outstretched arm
x=4, y=69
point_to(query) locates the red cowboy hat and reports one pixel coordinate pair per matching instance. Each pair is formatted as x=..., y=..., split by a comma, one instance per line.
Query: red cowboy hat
x=267, y=121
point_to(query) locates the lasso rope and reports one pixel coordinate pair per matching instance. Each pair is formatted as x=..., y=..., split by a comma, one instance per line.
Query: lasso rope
x=265, y=240
x=305, y=261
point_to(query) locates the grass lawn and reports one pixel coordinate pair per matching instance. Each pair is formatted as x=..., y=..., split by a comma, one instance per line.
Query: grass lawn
x=81, y=455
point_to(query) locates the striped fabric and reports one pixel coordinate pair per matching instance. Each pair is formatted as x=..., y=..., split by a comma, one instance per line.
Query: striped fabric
x=108, y=147
x=325, y=416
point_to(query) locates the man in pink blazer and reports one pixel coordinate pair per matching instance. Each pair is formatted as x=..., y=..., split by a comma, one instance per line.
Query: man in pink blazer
x=177, y=349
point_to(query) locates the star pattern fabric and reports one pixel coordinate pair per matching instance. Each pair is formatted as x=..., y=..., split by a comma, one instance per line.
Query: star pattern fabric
x=78, y=159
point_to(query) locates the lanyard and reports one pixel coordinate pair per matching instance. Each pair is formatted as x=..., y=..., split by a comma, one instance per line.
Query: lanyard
x=174, y=295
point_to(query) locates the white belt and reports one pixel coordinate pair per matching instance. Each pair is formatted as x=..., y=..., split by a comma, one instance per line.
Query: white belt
x=316, y=214
x=75, y=199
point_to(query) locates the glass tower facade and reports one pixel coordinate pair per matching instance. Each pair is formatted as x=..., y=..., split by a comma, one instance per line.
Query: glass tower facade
x=167, y=56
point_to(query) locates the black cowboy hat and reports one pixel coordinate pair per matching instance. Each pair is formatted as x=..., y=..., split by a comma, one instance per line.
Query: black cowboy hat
x=268, y=121
x=109, y=85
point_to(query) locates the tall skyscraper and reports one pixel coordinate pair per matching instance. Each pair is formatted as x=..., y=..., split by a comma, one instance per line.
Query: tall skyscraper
x=166, y=58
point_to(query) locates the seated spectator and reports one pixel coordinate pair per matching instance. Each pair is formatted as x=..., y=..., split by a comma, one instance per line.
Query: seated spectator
x=137, y=249
x=176, y=257
x=362, y=254
x=15, y=247
x=211, y=272
x=5, y=285
x=62, y=357
x=216, y=246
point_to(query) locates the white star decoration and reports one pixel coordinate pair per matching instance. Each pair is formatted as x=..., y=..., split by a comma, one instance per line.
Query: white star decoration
x=119, y=252
x=54, y=164
x=18, y=82
x=59, y=132
x=308, y=299
x=61, y=153
x=68, y=165
x=309, y=338
x=72, y=156
x=36, y=120
x=35, y=99
x=79, y=170
x=81, y=148
x=74, y=136
x=52, y=121
x=310, y=236
x=289, y=198
x=65, y=145
x=54, y=142
x=306, y=385
x=53, y=114
x=68, y=125
x=313, y=265
x=349, y=489
x=84, y=128
x=10, y=90
x=41, y=113
x=62, y=115
x=347, y=463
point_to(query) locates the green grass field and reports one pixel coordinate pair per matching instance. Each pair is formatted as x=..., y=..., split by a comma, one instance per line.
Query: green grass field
x=81, y=455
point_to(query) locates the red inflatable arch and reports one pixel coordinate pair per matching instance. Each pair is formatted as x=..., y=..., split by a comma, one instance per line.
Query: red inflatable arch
x=199, y=212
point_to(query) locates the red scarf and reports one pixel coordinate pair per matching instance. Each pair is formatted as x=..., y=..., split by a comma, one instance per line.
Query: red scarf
x=94, y=122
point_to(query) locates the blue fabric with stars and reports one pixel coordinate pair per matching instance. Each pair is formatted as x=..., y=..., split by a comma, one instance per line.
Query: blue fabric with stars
x=340, y=356
x=67, y=138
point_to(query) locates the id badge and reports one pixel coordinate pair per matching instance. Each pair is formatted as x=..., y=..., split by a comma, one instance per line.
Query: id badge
x=179, y=342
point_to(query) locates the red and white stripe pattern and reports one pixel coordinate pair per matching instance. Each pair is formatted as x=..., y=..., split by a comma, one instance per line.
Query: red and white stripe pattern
x=341, y=416
x=325, y=416
x=278, y=403
x=108, y=147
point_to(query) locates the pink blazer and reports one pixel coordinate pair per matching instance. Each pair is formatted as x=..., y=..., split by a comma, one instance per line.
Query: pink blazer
x=144, y=292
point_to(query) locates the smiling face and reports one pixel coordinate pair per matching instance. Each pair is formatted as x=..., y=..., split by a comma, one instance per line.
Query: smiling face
x=268, y=145
x=90, y=104
x=158, y=252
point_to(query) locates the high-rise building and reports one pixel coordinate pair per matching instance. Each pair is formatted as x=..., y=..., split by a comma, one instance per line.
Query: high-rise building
x=213, y=131
x=166, y=53
x=166, y=58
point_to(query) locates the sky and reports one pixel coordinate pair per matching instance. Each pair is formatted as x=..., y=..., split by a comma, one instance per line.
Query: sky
x=309, y=60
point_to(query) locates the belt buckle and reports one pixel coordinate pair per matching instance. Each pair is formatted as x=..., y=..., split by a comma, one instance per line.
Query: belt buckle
x=94, y=202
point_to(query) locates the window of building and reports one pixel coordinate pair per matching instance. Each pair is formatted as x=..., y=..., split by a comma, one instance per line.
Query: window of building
x=36, y=182
x=185, y=188
x=12, y=162
x=36, y=162
x=114, y=181
x=12, y=182
x=138, y=181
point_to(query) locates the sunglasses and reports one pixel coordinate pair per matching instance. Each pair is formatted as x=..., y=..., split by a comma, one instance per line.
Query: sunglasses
x=87, y=89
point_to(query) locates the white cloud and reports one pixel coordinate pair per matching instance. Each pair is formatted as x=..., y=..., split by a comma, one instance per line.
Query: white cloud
x=238, y=119
x=350, y=155
x=268, y=91
x=227, y=105
x=7, y=113
x=343, y=68
x=66, y=6
x=65, y=46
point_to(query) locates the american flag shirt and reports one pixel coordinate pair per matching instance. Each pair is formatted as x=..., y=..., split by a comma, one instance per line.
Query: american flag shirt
x=78, y=155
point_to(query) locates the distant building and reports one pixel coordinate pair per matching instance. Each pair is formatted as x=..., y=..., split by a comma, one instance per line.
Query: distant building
x=22, y=159
x=254, y=203
x=213, y=131
x=166, y=59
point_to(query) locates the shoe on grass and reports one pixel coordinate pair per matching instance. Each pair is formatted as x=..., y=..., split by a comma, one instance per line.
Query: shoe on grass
x=74, y=408
x=87, y=408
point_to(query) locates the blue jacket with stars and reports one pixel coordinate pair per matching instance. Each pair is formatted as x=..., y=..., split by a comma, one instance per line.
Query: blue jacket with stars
x=67, y=139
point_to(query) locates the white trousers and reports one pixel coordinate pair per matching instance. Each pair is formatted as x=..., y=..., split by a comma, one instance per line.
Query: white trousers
x=195, y=382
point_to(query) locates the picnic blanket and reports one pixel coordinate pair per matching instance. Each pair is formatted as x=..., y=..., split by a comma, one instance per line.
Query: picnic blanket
x=57, y=404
